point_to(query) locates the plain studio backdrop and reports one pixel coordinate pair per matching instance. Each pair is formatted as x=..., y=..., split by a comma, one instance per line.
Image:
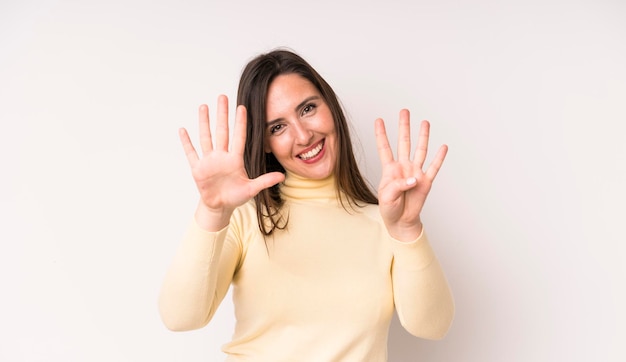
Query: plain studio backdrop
x=526, y=215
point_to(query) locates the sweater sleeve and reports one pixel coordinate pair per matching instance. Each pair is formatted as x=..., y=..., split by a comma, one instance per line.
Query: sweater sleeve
x=198, y=278
x=422, y=297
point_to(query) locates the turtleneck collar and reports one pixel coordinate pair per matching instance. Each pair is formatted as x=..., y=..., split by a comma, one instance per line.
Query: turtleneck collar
x=300, y=188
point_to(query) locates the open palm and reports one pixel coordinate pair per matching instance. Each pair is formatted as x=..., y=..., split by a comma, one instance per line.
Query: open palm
x=219, y=173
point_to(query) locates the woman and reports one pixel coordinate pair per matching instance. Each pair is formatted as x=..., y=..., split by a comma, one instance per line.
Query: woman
x=317, y=262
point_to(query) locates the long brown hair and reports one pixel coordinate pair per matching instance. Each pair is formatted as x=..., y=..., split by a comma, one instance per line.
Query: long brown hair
x=253, y=85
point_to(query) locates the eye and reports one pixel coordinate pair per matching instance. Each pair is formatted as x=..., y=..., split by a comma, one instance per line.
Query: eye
x=308, y=108
x=276, y=128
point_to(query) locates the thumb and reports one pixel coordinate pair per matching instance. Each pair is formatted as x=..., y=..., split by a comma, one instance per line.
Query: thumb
x=396, y=189
x=266, y=180
x=403, y=185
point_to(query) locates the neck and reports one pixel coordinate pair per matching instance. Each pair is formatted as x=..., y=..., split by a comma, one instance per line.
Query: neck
x=298, y=187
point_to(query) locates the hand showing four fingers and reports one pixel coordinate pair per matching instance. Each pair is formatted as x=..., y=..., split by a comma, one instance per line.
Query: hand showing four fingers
x=219, y=173
x=404, y=186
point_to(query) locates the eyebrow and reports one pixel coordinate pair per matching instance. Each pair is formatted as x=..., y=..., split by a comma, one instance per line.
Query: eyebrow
x=296, y=108
x=305, y=101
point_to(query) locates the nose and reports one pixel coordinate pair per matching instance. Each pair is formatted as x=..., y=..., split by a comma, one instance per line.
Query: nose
x=302, y=134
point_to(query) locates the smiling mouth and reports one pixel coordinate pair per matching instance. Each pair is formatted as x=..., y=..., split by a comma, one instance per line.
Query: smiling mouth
x=312, y=153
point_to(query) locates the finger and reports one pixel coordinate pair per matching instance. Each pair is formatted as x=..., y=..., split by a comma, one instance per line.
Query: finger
x=422, y=144
x=190, y=151
x=435, y=165
x=382, y=142
x=239, y=134
x=404, y=136
x=221, y=128
x=206, y=144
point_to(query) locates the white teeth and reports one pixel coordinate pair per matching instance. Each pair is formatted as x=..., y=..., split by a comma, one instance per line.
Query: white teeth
x=312, y=153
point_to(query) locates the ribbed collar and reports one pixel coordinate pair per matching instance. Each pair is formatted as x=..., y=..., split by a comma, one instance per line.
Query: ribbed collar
x=298, y=188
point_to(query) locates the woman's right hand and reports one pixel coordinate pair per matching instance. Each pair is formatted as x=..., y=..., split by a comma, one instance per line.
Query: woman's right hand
x=219, y=173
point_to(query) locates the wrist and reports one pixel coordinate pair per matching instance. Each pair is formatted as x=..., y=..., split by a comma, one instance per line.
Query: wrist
x=210, y=219
x=407, y=233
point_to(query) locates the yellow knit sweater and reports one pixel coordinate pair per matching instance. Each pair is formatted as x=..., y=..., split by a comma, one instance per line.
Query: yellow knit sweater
x=324, y=289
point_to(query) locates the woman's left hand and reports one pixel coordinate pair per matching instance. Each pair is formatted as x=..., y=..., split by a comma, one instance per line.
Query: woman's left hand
x=404, y=186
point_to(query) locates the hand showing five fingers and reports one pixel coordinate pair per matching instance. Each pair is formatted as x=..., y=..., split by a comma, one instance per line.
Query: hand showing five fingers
x=219, y=173
x=404, y=186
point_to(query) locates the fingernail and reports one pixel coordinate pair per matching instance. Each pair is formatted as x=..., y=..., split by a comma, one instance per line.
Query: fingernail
x=411, y=181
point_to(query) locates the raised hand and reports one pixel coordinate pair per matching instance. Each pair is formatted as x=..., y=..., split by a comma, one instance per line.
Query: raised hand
x=219, y=173
x=404, y=187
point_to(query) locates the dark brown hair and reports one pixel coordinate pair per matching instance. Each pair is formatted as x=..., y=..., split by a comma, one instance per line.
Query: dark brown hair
x=253, y=86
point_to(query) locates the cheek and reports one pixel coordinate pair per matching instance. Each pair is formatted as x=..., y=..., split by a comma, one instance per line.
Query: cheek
x=329, y=124
x=277, y=147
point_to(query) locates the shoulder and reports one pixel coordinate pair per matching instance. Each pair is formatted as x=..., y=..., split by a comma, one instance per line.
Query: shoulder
x=243, y=230
x=372, y=212
x=244, y=218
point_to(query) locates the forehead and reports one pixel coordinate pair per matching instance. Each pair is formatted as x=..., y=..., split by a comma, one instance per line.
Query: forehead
x=286, y=92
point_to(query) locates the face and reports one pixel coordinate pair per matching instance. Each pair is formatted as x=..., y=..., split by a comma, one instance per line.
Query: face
x=300, y=130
